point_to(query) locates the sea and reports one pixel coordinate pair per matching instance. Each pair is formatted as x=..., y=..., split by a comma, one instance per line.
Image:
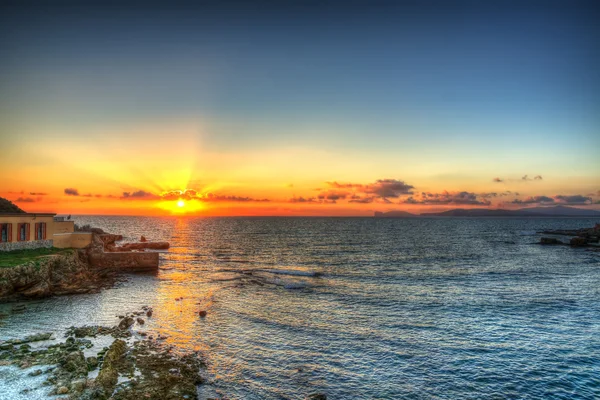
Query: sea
x=357, y=308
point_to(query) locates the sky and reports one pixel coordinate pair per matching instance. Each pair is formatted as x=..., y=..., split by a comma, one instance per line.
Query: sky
x=305, y=108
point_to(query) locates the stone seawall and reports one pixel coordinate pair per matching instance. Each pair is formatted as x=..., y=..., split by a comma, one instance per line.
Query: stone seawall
x=27, y=245
x=124, y=261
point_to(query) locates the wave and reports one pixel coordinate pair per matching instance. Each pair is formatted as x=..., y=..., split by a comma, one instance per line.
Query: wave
x=293, y=272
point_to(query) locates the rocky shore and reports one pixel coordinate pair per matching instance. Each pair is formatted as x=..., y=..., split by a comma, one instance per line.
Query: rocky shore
x=78, y=271
x=131, y=367
x=60, y=274
x=585, y=237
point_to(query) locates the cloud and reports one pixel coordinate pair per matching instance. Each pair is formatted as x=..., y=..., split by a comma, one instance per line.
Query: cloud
x=71, y=192
x=139, y=195
x=216, y=197
x=302, y=200
x=187, y=194
x=363, y=200
x=190, y=194
x=463, y=198
x=535, y=178
x=496, y=179
x=337, y=185
x=534, y=200
x=575, y=199
x=38, y=194
x=380, y=188
x=389, y=188
x=333, y=195
x=25, y=200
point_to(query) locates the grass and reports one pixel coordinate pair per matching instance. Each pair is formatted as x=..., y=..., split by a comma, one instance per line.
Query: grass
x=18, y=257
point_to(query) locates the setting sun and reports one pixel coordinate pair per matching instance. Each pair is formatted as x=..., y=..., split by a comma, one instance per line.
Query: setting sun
x=180, y=203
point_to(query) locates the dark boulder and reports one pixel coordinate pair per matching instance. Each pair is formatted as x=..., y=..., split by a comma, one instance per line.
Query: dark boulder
x=547, y=240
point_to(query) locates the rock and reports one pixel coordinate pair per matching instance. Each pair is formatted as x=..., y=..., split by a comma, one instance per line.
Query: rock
x=108, y=375
x=62, y=390
x=140, y=321
x=547, y=240
x=78, y=386
x=149, y=313
x=579, y=241
x=92, y=363
x=75, y=363
x=42, y=289
x=316, y=396
x=126, y=323
x=36, y=372
x=143, y=239
x=202, y=314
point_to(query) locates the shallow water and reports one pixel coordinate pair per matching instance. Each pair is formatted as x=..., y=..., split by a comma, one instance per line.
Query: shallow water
x=360, y=307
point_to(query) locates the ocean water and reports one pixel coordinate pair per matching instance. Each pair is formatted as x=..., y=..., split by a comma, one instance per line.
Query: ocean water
x=361, y=308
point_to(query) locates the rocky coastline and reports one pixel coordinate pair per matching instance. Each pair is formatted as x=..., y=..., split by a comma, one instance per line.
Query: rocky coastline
x=135, y=365
x=586, y=237
x=78, y=271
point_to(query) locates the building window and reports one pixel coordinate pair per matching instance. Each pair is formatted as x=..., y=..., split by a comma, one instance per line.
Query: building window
x=40, y=231
x=5, y=233
x=23, y=232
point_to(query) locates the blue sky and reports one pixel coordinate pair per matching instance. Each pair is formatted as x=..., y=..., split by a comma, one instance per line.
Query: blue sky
x=513, y=83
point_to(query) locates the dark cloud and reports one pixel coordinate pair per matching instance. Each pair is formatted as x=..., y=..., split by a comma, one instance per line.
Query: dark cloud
x=463, y=198
x=71, y=192
x=534, y=200
x=217, y=197
x=139, y=195
x=333, y=195
x=535, y=178
x=302, y=200
x=389, y=188
x=25, y=200
x=575, y=199
x=187, y=194
x=38, y=194
x=190, y=194
x=381, y=188
x=363, y=200
x=496, y=179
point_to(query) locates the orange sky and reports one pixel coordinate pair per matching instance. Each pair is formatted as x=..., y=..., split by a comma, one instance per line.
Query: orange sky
x=146, y=169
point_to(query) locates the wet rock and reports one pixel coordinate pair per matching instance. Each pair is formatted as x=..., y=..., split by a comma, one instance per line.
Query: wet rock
x=578, y=242
x=141, y=321
x=143, y=239
x=78, y=386
x=92, y=362
x=126, y=323
x=547, y=240
x=108, y=376
x=62, y=390
x=316, y=396
x=149, y=313
x=202, y=314
x=36, y=372
x=75, y=363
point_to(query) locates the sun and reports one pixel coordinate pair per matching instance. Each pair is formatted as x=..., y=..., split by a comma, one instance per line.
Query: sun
x=181, y=203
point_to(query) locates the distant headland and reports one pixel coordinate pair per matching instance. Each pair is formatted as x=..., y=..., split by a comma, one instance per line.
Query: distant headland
x=556, y=211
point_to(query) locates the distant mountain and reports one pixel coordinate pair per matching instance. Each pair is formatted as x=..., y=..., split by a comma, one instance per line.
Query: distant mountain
x=562, y=211
x=556, y=211
x=477, y=212
x=394, y=214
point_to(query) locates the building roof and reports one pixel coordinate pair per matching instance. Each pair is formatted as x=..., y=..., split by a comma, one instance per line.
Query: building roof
x=7, y=207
